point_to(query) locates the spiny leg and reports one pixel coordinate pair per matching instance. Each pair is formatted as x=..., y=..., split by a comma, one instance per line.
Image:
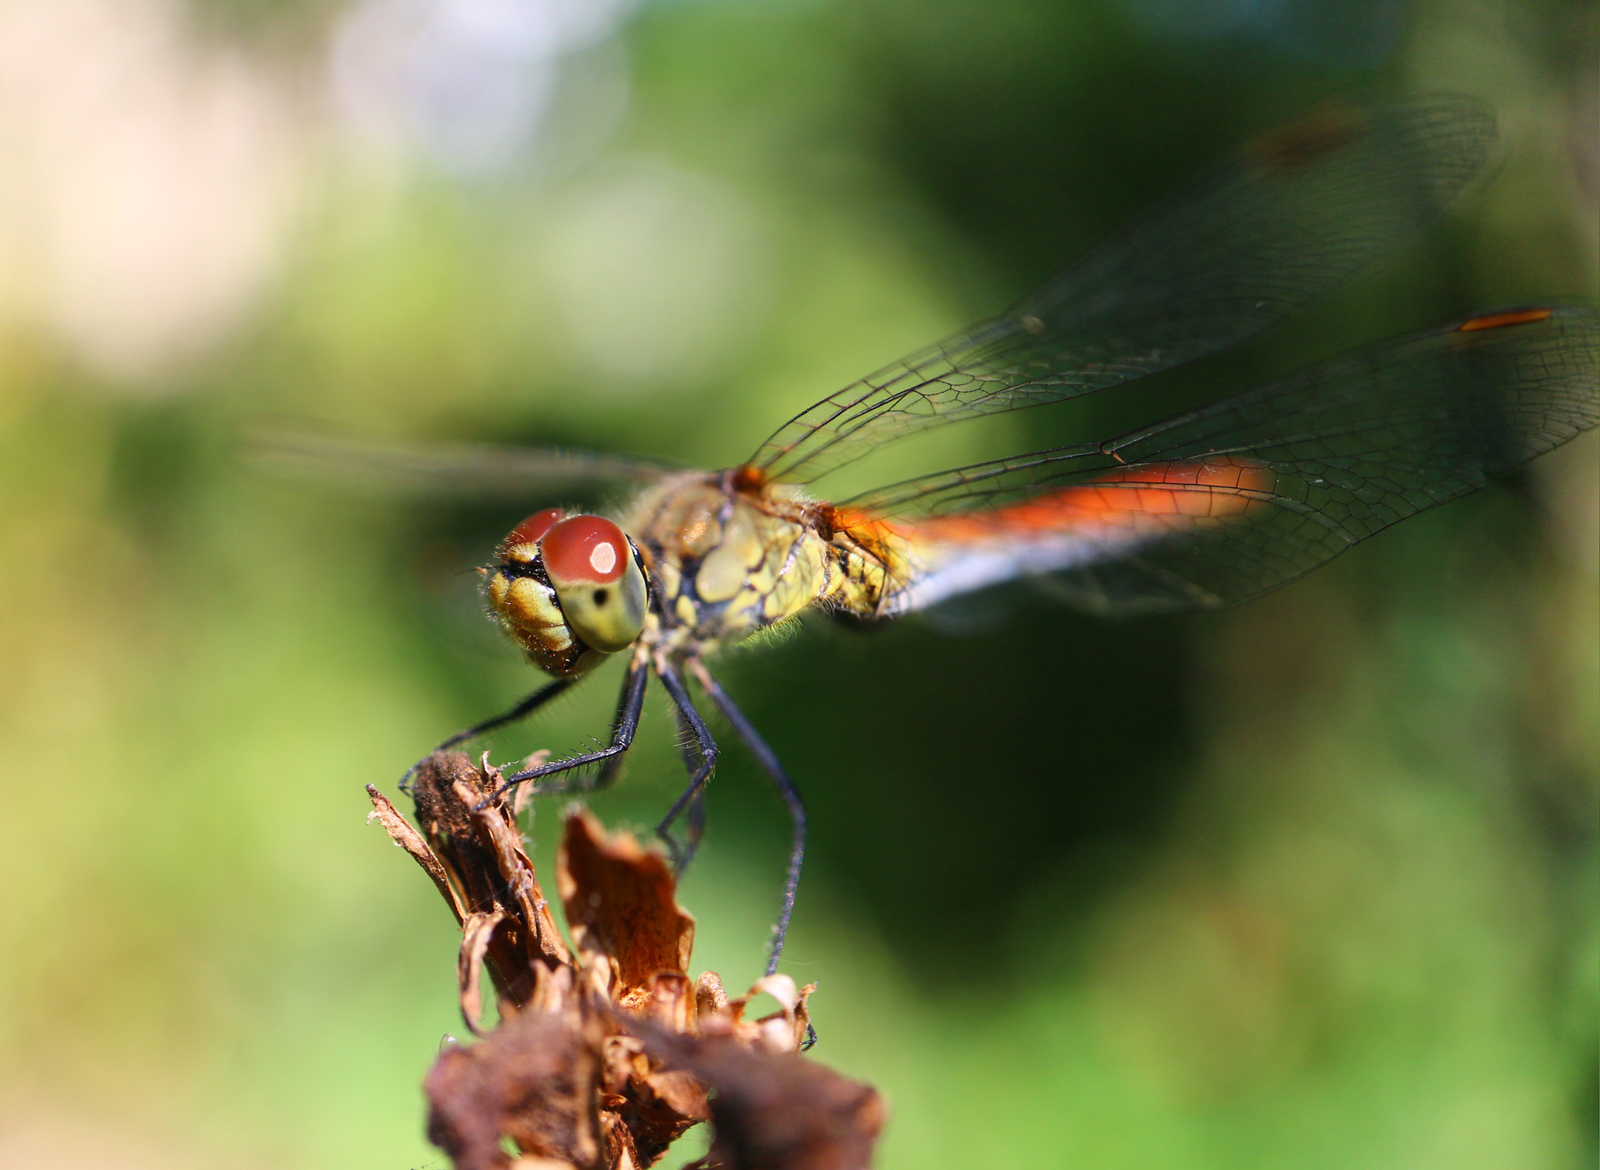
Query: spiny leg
x=696, y=818
x=611, y=768
x=768, y=760
x=626, y=723
x=608, y=773
x=521, y=711
x=695, y=815
x=700, y=756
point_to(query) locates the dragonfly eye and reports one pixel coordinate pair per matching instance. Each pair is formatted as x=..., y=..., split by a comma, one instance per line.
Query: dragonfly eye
x=590, y=565
x=521, y=544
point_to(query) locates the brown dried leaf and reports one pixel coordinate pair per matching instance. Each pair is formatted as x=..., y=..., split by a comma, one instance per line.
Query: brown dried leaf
x=533, y=1081
x=620, y=904
x=782, y=1031
x=670, y=1001
x=709, y=997
x=776, y=1112
x=477, y=932
x=403, y=835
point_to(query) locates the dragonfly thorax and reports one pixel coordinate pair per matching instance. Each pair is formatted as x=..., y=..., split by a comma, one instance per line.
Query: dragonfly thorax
x=729, y=557
x=568, y=589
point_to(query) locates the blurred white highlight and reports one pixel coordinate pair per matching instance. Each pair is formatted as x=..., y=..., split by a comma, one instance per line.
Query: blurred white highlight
x=467, y=83
x=147, y=184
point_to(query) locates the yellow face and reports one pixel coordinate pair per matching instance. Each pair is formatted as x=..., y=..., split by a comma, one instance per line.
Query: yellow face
x=570, y=590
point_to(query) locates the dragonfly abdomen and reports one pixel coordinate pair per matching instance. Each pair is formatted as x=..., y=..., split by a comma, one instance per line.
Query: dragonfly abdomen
x=1069, y=527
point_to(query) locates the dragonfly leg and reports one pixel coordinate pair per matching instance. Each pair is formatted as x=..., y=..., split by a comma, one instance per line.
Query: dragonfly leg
x=696, y=817
x=700, y=757
x=768, y=759
x=629, y=704
x=521, y=711
x=695, y=814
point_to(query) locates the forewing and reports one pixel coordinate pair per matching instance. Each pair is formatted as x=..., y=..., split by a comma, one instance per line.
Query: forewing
x=1214, y=507
x=474, y=470
x=1295, y=214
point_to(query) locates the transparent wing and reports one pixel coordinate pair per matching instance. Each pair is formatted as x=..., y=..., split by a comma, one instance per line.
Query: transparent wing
x=476, y=470
x=1216, y=506
x=1297, y=213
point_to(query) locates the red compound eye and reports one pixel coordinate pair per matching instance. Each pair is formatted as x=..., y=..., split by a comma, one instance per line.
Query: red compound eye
x=587, y=549
x=530, y=530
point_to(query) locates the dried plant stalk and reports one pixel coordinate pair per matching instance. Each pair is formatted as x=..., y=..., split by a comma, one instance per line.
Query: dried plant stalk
x=606, y=1051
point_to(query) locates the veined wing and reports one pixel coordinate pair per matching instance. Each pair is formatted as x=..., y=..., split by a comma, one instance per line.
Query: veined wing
x=477, y=470
x=1298, y=212
x=1218, y=505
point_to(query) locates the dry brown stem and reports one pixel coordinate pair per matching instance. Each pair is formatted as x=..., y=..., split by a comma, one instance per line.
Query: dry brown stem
x=606, y=1051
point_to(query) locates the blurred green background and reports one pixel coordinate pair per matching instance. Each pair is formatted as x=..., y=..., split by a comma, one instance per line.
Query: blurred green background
x=1310, y=884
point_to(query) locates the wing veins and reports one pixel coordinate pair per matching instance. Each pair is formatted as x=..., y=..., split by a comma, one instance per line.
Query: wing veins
x=1297, y=214
x=1354, y=446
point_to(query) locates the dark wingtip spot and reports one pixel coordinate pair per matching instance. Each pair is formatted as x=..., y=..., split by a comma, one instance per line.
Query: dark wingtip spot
x=1330, y=128
x=1501, y=320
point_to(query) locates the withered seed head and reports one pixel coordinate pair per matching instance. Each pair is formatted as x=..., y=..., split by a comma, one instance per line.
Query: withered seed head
x=607, y=1052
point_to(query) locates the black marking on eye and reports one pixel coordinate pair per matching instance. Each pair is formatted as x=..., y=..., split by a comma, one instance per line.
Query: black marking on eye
x=638, y=559
x=600, y=596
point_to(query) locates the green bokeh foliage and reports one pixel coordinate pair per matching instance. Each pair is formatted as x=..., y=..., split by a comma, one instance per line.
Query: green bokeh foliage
x=1311, y=884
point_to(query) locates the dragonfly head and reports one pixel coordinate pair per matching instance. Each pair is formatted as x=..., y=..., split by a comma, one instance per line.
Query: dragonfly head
x=569, y=589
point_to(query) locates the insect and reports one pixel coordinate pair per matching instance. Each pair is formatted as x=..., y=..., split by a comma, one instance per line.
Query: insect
x=1204, y=510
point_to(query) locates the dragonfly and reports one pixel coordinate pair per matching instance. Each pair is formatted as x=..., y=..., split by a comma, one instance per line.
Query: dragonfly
x=1204, y=510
